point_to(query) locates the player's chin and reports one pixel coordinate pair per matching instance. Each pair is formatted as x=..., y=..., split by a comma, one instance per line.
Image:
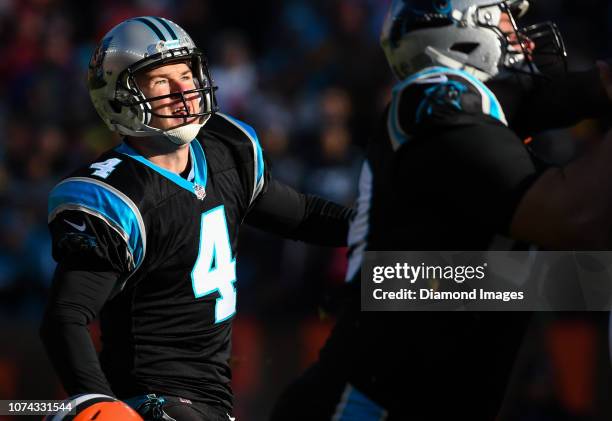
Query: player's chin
x=177, y=122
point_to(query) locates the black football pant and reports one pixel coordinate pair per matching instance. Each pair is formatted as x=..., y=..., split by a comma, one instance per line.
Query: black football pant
x=409, y=366
x=181, y=410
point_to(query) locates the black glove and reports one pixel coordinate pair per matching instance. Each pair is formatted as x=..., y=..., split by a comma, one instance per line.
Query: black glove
x=149, y=407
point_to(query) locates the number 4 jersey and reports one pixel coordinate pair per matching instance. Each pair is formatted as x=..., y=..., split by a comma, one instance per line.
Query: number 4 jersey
x=167, y=326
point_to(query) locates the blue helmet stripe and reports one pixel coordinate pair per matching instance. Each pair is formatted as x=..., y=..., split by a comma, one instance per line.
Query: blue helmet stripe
x=104, y=201
x=165, y=25
x=153, y=27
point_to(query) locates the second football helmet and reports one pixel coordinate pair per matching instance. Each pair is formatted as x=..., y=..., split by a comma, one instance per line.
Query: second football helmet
x=93, y=406
x=136, y=45
x=463, y=34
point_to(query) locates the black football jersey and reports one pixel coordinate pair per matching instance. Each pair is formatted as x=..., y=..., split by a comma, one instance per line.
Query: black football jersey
x=443, y=135
x=443, y=172
x=167, y=326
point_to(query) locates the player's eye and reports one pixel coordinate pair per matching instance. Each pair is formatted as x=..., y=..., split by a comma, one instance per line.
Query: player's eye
x=160, y=82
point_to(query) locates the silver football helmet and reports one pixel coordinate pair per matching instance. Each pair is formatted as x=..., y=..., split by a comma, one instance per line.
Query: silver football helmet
x=136, y=45
x=464, y=34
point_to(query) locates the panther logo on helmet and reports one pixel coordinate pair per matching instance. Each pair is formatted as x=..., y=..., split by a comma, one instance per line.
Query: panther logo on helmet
x=443, y=6
x=95, y=76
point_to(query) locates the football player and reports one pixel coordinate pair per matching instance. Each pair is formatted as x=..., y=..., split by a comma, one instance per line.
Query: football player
x=146, y=235
x=448, y=170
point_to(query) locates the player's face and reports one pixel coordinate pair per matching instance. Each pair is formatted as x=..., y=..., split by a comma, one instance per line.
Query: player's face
x=515, y=40
x=164, y=80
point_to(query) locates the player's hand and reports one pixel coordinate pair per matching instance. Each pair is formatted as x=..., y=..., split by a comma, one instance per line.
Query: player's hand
x=149, y=407
x=605, y=73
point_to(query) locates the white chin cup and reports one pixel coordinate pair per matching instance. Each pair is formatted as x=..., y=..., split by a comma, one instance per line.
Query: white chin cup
x=184, y=134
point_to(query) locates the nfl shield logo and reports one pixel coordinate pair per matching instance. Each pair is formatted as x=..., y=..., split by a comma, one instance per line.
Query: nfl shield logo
x=199, y=191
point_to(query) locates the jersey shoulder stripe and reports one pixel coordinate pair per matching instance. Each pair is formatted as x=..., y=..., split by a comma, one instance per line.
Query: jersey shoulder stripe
x=437, y=77
x=359, y=227
x=355, y=405
x=100, y=199
x=257, y=153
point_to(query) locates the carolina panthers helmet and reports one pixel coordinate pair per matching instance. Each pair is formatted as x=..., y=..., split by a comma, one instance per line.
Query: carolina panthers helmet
x=139, y=44
x=464, y=34
x=93, y=406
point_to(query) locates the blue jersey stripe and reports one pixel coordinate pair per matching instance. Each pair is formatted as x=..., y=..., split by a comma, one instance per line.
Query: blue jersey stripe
x=355, y=406
x=397, y=135
x=102, y=199
x=495, y=109
x=250, y=132
x=198, y=160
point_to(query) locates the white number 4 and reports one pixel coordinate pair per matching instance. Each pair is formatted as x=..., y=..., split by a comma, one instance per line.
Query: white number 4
x=104, y=168
x=215, y=269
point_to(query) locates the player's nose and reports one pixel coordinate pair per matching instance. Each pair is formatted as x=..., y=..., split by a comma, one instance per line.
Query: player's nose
x=178, y=85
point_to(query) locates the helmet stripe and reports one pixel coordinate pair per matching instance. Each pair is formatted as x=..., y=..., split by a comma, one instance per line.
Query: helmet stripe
x=153, y=27
x=165, y=25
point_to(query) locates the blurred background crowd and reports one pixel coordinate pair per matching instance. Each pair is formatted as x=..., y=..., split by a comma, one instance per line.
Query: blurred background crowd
x=309, y=76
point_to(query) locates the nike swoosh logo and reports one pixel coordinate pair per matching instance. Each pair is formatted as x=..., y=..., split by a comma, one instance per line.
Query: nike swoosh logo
x=75, y=226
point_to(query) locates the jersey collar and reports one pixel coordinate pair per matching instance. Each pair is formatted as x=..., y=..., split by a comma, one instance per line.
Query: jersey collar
x=198, y=166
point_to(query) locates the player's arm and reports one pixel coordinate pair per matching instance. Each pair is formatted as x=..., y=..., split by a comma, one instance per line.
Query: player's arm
x=556, y=103
x=557, y=208
x=76, y=298
x=570, y=207
x=90, y=255
x=282, y=210
x=97, y=239
x=279, y=209
x=484, y=170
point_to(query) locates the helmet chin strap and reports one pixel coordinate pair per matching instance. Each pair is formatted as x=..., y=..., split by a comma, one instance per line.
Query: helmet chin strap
x=184, y=134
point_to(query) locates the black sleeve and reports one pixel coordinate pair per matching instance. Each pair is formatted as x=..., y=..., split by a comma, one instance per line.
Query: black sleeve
x=85, y=240
x=91, y=258
x=539, y=105
x=76, y=298
x=282, y=210
x=478, y=172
